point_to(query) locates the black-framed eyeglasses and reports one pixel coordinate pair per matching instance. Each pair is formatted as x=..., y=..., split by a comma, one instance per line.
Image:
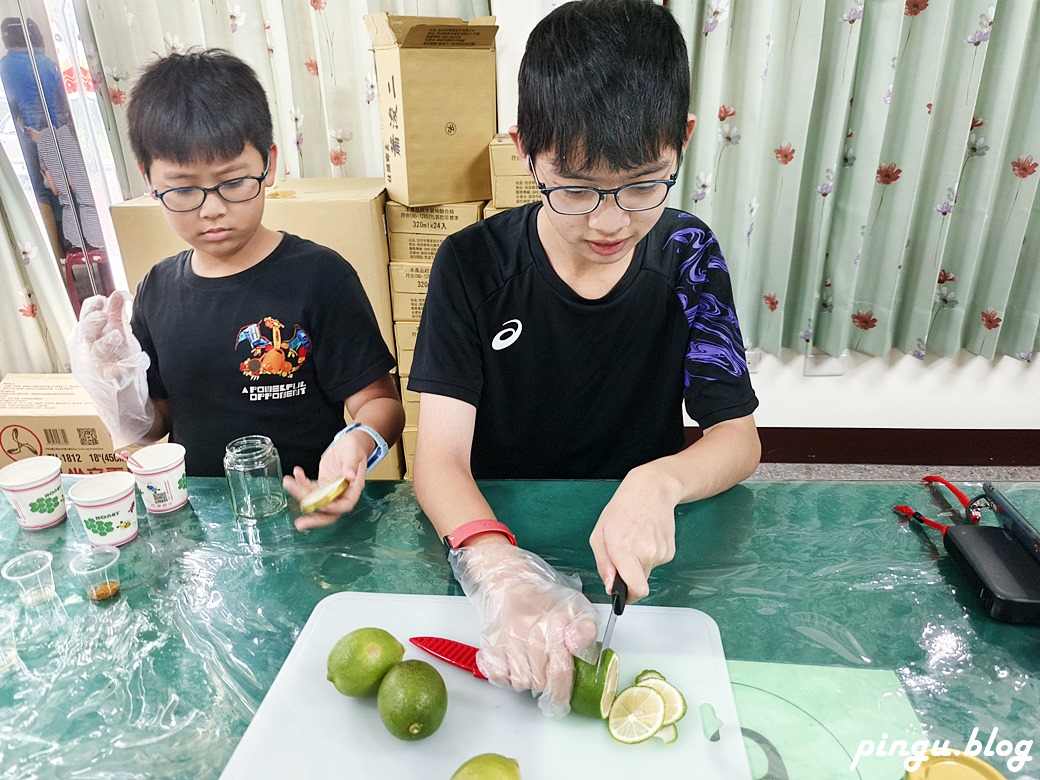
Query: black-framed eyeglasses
x=240, y=190
x=637, y=196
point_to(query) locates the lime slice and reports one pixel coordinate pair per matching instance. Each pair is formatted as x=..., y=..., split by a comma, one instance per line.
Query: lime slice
x=636, y=715
x=323, y=495
x=668, y=734
x=647, y=674
x=592, y=695
x=674, y=703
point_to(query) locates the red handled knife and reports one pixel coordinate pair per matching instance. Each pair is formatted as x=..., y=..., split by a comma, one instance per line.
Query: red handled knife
x=455, y=653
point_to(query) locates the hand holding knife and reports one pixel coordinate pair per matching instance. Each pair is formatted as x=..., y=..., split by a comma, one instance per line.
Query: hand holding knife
x=619, y=590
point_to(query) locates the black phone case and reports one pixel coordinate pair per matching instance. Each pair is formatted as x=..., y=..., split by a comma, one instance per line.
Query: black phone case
x=1005, y=576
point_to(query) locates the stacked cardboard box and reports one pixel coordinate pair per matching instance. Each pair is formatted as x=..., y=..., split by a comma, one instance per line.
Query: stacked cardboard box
x=415, y=236
x=511, y=183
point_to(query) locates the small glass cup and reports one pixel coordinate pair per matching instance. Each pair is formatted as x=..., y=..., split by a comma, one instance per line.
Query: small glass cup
x=31, y=572
x=98, y=570
x=254, y=475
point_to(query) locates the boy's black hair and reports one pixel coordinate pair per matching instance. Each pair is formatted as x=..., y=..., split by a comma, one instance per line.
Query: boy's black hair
x=199, y=106
x=604, y=81
x=14, y=36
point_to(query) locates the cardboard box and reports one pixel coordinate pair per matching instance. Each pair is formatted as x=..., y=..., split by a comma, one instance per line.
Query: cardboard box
x=51, y=414
x=408, y=438
x=345, y=215
x=513, y=191
x=405, y=333
x=410, y=277
x=442, y=219
x=408, y=306
x=414, y=247
x=490, y=211
x=404, y=362
x=410, y=399
x=504, y=159
x=437, y=105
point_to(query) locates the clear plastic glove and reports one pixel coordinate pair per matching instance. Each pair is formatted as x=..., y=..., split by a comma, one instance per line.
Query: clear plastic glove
x=533, y=620
x=108, y=361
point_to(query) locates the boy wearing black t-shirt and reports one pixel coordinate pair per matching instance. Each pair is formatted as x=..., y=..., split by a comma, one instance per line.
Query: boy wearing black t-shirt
x=251, y=331
x=561, y=340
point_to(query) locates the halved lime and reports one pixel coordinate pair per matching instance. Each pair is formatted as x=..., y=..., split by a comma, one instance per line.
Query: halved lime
x=636, y=714
x=668, y=734
x=592, y=695
x=674, y=703
x=647, y=674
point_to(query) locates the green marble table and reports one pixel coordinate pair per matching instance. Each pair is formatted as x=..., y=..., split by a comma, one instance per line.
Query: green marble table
x=163, y=680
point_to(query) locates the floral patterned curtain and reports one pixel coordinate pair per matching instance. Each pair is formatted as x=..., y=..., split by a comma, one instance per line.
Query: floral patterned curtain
x=313, y=58
x=870, y=167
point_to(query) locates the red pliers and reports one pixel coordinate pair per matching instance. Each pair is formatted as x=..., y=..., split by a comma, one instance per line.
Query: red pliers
x=971, y=511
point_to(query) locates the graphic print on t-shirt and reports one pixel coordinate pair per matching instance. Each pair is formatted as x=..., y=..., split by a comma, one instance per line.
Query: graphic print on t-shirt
x=272, y=355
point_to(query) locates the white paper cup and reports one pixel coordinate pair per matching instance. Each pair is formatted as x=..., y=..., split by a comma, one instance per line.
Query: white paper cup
x=107, y=506
x=33, y=486
x=161, y=478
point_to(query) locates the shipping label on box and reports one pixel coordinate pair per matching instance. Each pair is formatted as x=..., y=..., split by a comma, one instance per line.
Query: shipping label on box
x=405, y=334
x=504, y=158
x=408, y=306
x=414, y=247
x=442, y=219
x=437, y=105
x=410, y=277
x=512, y=191
x=51, y=414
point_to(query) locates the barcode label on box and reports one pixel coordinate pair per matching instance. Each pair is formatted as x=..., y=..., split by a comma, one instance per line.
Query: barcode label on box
x=55, y=436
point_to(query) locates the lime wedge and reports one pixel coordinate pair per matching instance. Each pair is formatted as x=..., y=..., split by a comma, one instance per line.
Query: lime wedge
x=636, y=715
x=647, y=674
x=592, y=695
x=668, y=734
x=323, y=495
x=674, y=703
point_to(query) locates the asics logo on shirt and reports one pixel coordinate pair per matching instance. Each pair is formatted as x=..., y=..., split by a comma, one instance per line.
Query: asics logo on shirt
x=508, y=335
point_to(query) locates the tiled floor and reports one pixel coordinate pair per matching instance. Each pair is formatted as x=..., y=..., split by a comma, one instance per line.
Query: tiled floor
x=851, y=471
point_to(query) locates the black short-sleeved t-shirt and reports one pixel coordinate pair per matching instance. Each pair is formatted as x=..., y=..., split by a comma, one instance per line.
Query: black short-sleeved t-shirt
x=274, y=350
x=567, y=387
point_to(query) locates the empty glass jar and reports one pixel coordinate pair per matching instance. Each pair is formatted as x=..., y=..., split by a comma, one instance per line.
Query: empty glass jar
x=254, y=475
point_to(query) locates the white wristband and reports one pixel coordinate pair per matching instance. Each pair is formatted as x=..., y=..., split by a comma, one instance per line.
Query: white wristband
x=382, y=448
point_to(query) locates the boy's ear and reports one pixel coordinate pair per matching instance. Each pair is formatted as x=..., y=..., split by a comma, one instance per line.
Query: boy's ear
x=691, y=122
x=272, y=166
x=514, y=135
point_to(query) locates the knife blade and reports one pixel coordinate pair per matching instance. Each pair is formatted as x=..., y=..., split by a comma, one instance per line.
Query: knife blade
x=619, y=590
x=455, y=653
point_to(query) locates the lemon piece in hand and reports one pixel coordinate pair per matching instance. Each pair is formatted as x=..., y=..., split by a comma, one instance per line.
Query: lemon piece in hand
x=488, y=766
x=592, y=695
x=636, y=714
x=412, y=700
x=358, y=661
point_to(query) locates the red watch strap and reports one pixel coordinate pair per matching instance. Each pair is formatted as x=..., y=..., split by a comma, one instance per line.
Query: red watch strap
x=457, y=538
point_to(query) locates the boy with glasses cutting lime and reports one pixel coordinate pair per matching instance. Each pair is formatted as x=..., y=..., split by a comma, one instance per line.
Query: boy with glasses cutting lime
x=251, y=331
x=561, y=340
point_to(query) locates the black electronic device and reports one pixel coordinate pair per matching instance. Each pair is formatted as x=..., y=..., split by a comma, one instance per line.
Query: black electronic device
x=999, y=560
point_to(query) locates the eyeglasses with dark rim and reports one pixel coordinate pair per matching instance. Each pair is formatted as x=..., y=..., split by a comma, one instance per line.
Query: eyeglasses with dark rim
x=240, y=190
x=637, y=196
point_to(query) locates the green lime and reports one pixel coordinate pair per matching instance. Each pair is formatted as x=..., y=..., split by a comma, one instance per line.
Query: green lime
x=412, y=700
x=636, y=714
x=592, y=695
x=358, y=661
x=647, y=674
x=488, y=766
x=674, y=703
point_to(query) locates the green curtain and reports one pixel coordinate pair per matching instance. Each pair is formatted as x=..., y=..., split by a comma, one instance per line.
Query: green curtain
x=312, y=56
x=870, y=168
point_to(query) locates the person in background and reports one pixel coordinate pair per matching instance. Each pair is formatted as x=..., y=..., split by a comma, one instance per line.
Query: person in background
x=46, y=119
x=250, y=331
x=560, y=340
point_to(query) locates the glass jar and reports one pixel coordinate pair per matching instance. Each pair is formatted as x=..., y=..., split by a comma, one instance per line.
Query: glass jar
x=254, y=475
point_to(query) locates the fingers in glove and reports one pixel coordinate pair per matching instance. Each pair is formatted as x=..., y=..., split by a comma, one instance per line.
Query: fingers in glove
x=580, y=638
x=559, y=681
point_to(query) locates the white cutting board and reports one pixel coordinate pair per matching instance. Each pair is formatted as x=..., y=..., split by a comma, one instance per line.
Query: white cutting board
x=305, y=728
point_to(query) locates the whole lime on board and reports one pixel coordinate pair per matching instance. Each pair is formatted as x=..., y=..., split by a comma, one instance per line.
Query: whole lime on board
x=412, y=700
x=358, y=661
x=593, y=694
x=488, y=766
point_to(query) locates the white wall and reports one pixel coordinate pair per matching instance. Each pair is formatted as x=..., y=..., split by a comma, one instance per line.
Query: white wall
x=893, y=392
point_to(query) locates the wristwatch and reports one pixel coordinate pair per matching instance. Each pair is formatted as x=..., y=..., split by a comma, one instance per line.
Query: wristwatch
x=466, y=531
x=381, y=446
